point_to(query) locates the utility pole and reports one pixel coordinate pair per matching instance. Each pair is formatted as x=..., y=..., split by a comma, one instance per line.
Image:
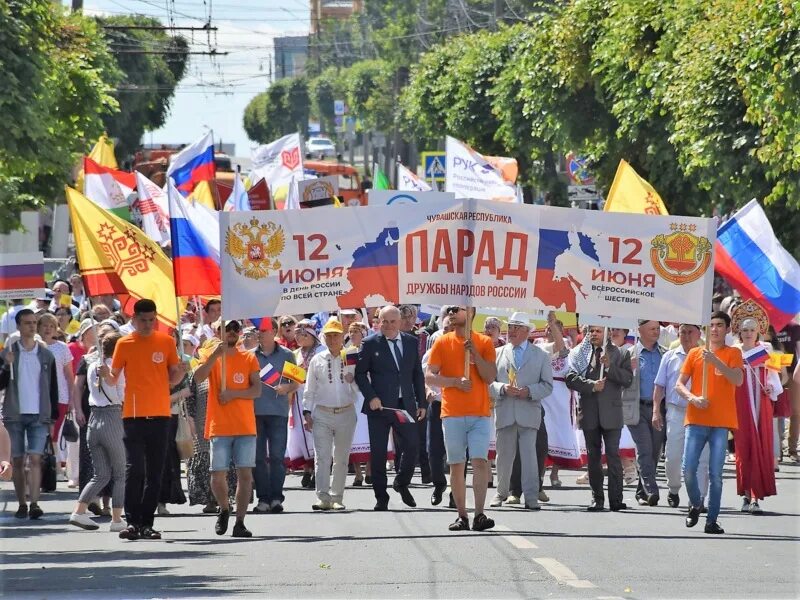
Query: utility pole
x=499, y=13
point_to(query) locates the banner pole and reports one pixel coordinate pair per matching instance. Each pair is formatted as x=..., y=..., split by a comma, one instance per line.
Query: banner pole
x=467, y=336
x=11, y=365
x=605, y=341
x=705, y=367
x=97, y=343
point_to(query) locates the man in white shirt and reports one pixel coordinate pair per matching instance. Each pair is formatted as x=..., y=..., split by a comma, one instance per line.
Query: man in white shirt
x=329, y=413
x=668, y=373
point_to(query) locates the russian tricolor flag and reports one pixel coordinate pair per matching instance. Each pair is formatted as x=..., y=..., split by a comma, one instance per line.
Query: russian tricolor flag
x=21, y=274
x=269, y=375
x=195, y=246
x=753, y=261
x=193, y=164
x=756, y=356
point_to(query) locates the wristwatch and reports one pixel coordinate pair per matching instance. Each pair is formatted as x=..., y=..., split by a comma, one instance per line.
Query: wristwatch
x=306, y=412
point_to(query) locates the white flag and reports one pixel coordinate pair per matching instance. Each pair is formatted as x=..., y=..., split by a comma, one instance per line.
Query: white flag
x=407, y=181
x=151, y=209
x=278, y=162
x=292, y=196
x=238, y=200
x=470, y=175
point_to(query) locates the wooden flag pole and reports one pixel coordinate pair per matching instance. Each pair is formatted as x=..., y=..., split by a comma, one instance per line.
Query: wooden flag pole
x=467, y=336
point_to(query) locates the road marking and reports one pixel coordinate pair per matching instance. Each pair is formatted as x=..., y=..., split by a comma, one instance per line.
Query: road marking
x=562, y=573
x=610, y=598
x=517, y=541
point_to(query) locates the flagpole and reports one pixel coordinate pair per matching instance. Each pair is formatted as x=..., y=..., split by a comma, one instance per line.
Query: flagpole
x=605, y=341
x=98, y=345
x=705, y=367
x=468, y=336
x=11, y=364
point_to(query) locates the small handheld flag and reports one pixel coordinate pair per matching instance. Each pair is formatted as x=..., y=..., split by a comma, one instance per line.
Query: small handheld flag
x=778, y=360
x=293, y=372
x=512, y=376
x=269, y=376
x=351, y=357
x=756, y=356
x=403, y=416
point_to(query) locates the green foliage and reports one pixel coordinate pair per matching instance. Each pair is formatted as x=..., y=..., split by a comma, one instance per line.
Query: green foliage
x=324, y=90
x=148, y=82
x=57, y=77
x=282, y=109
x=368, y=87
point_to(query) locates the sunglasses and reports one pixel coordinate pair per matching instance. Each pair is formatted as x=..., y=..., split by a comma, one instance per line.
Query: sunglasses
x=452, y=310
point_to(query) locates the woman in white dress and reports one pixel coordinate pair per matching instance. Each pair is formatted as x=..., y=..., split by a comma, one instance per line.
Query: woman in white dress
x=359, y=451
x=559, y=407
x=300, y=443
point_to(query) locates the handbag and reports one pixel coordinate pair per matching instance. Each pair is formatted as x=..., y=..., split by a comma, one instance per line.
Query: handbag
x=183, y=436
x=48, y=467
x=69, y=430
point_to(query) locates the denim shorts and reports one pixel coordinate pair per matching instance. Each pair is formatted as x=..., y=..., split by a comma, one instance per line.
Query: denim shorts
x=462, y=433
x=239, y=449
x=27, y=428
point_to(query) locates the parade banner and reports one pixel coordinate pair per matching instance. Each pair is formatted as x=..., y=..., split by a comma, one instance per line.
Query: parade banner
x=21, y=275
x=390, y=197
x=480, y=252
x=471, y=175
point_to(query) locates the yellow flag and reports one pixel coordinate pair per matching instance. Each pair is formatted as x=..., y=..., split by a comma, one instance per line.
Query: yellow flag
x=117, y=257
x=631, y=194
x=102, y=154
x=293, y=372
x=203, y=194
x=778, y=360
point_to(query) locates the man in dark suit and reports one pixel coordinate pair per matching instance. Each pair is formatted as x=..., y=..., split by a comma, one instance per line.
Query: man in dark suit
x=599, y=375
x=389, y=374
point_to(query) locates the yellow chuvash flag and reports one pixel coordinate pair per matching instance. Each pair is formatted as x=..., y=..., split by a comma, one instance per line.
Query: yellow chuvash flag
x=293, y=372
x=103, y=154
x=630, y=193
x=117, y=257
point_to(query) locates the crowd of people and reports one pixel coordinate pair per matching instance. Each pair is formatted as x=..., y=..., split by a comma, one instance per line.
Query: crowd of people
x=376, y=391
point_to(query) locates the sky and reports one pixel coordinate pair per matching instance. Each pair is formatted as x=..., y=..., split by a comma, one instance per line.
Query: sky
x=216, y=90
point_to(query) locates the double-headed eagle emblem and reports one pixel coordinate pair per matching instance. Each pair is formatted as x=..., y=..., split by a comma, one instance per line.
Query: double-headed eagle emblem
x=254, y=247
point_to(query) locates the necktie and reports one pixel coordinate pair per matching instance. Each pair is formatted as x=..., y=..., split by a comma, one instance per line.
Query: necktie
x=517, y=356
x=396, y=352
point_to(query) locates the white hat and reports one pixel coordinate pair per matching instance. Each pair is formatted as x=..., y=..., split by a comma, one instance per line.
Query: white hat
x=521, y=319
x=188, y=337
x=351, y=312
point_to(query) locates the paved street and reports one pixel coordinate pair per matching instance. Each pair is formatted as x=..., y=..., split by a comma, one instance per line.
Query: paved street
x=560, y=552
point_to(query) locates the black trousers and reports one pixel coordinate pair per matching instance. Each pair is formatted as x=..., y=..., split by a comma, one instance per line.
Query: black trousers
x=515, y=489
x=437, y=455
x=594, y=440
x=379, y=426
x=145, y=449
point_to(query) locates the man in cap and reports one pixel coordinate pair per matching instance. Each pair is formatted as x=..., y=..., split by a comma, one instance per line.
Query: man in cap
x=231, y=424
x=524, y=378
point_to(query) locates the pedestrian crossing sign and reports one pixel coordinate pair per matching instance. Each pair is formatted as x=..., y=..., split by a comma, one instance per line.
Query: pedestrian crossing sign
x=434, y=162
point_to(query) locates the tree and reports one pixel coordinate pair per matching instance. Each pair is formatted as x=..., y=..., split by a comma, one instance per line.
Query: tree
x=149, y=80
x=282, y=109
x=57, y=80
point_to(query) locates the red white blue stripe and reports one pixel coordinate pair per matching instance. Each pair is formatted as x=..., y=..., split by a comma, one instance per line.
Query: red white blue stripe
x=193, y=164
x=752, y=260
x=194, y=231
x=756, y=356
x=269, y=375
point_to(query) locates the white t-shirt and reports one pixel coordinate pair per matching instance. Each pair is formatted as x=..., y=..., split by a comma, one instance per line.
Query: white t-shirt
x=63, y=357
x=98, y=397
x=28, y=384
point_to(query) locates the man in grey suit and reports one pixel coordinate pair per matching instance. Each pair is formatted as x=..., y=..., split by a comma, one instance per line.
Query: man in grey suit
x=524, y=377
x=599, y=375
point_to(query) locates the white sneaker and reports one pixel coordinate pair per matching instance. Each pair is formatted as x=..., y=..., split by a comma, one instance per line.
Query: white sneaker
x=496, y=501
x=338, y=506
x=262, y=507
x=116, y=526
x=321, y=505
x=583, y=479
x=745, y=505
x=83, y=521
x=755, y=509
x=512, y=500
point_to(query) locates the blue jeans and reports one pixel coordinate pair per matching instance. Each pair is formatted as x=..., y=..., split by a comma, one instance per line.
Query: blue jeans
x=697, y=436
x=270, y=473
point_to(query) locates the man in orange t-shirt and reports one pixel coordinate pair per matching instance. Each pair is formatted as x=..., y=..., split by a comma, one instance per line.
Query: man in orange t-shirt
x=150, y=362
x=709, y=416
x=466, y=411
x=231, y=423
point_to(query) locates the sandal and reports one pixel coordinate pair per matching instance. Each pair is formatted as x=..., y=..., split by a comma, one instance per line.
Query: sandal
x=460, y=524
x=482, y=522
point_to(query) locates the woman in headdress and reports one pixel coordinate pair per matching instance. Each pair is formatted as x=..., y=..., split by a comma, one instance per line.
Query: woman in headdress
x=755, y=475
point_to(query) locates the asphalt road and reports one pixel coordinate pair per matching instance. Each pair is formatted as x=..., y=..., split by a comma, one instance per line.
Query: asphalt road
x=559, y=552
